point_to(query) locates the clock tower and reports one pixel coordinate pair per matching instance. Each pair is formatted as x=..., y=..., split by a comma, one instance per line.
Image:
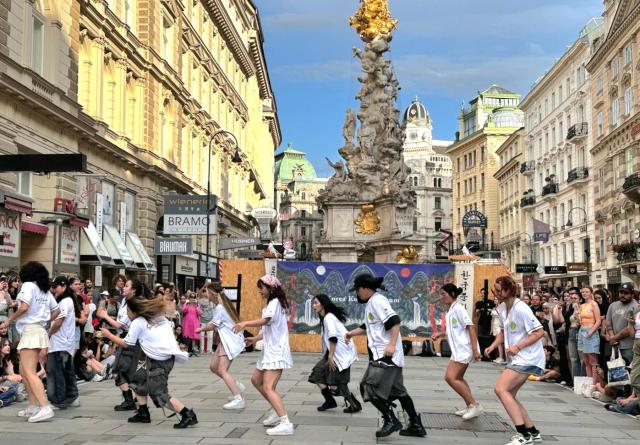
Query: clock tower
x=418, y=131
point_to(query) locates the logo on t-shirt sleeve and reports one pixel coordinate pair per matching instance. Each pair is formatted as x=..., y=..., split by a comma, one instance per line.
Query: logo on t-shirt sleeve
x=370, y=316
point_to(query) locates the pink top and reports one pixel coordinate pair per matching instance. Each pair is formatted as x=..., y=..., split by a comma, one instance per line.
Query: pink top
x=190, y=320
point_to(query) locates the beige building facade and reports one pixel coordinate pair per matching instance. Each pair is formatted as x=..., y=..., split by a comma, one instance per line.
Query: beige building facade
x=615, y=73
x=140, y=88
x=558, y=166
x=483, y=127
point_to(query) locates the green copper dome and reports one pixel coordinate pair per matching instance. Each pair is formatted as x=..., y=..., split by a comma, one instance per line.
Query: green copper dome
x=290, y=162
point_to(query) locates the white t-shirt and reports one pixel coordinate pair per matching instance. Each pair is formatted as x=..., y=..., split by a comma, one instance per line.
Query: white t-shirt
x=233, y=343
x=377, y=311
x=89, y=326
x=123, y=317
x=457, y=334
x=156, y=339
x=41, y=304
x=275, y=335
x=345, y=354
x=637, y=325
x=65, y=338
x=516, y=326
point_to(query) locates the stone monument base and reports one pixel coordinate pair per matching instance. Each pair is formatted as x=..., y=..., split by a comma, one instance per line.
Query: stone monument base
x=365, y=231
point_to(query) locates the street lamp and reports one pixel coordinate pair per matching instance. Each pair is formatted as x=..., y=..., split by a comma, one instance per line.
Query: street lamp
x=236, y=159
x=587, y=249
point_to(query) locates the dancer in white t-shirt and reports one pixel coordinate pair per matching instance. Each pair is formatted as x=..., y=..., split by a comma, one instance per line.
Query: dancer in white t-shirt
x=463, y=341
x=36, y=307
x=521, y=334
x=231, y=343
x=275, y=355
x=333, y=372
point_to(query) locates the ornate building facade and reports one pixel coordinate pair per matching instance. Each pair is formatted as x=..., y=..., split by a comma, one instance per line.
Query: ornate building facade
x=139, y=87
x=614, y=70
x=297, y=187
x=430, y=178
x=484, y=126
x=557, y=164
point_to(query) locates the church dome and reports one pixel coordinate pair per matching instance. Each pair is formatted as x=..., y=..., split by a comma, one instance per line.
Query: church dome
x=293, y=164
x=416, y=111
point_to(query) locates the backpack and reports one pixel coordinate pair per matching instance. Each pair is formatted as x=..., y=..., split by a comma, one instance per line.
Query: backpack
x=445, y=349
x=428, y=349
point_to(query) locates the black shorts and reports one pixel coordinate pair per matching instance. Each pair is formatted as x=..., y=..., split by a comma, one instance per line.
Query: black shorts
x=382, y=381
x=322, y=375
x=125, y=363
x=152, y=380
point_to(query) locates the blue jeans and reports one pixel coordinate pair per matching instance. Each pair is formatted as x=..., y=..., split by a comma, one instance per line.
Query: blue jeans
x=8, y=396
x=577, y=367
x=62, y=388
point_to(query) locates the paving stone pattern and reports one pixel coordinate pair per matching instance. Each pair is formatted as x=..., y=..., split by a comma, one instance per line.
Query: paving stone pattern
x=563, y=417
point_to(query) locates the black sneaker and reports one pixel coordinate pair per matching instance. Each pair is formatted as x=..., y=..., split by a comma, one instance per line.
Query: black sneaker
x=188, y=419
x=328, y=404
x=390, y=426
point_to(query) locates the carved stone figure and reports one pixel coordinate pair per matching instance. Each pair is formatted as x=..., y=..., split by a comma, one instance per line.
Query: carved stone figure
x=349, y=127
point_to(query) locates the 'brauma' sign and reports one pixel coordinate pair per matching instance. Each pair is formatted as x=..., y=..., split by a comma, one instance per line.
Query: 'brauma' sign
x=174, y=246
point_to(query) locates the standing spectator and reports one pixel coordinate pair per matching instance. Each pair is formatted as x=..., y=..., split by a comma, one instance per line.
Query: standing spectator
x=496, y=330
x=13, y=287
x=527, y=299
x=536, y=304
x=206, y=315
x=118, y=284
x=483, y=311
x=36, y=306
x=577, y=365
x=89, y=290
x=6, y=303
x=634, y=328
x=190, y=320
x=601, y=297
x=588, y=337
x=616, y=322
x=561, y=330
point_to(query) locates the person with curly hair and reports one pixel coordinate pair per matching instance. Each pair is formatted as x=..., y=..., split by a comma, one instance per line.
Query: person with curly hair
x=275, y=355
x=36, y=307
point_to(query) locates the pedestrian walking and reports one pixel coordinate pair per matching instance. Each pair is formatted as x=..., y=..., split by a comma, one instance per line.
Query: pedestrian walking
x=521, y=334
x=275, y=355
x=151, y=329
x=333, y=372
x=223, y=318
x=463, y=341
x=36, y=306
x=382, y=382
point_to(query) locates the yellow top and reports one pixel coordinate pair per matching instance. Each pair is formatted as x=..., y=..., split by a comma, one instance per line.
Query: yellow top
x=373, y=19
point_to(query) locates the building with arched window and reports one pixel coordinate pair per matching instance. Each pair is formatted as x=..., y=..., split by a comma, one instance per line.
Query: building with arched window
x=140, y=88
x=430, y=178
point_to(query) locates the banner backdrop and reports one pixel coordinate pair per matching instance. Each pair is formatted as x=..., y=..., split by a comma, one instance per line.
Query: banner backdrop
x=412, y=290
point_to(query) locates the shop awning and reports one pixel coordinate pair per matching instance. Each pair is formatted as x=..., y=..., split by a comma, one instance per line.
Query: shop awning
x=34, y=227
x=139, y=253
x=17, y=204
x=92, y=249
x=117, y=248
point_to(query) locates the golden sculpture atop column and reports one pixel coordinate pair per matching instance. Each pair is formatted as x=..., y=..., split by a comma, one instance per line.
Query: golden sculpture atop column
x=373, y=19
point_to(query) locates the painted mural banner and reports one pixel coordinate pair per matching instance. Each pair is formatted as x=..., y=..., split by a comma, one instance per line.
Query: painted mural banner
x=412, y=290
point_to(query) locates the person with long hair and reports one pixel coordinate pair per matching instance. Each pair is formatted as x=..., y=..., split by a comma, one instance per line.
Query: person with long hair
x=333, y=372
x=126, y=358
x=223, y=319
x=36, y=307
x=463, y=341
x=62, y=389
x=383, y=382
x=151, y=329
x=573, y=315
x=275, y=355
x=588, y=335
x=521, y=334
x=119, y=281
x=191, y=320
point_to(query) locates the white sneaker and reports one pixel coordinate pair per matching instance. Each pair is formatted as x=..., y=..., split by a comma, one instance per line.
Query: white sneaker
x=241, y=387
x=45, y=413
x=474, y=411
x=234, y=404
x=29, y=411
x=272, y=419
x=283, y=429
x=462, y=412
x=499, y=361
x=75, y=403
x=519, y=439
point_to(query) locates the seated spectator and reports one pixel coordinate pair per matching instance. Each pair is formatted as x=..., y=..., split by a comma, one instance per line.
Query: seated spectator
x=552, y=367
x=625, y=405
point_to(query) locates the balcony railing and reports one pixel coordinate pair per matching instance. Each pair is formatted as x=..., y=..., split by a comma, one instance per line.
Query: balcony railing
x=528, y=167
x=578, y=174
x=549, y=189
x=528, y=201
x=577, y=131
x=631, y=187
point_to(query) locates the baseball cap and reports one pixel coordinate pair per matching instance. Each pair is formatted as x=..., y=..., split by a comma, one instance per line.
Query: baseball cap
x=627, y=287
x=60, y=281
x=105, y=292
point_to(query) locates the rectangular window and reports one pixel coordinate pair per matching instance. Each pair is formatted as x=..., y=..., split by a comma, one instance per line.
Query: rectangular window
x=560, y=94
x=437, y=202
x=37, y=42
x=303, y=231
x=438, y=224
x=615, y=111
x=615, y=67
x=616, y=169
x=599, y=83
x=628, y=54
x=601, y=181
x=629, y=161
x=628, y=101
x=602, y=243
x=23, y=183
x=599, y=125
x=631, y=227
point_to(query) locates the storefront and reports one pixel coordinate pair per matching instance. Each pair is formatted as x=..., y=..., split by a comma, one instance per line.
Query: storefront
x=67, y=250
x=12, y=209
x=95, y=259
x=186, y=272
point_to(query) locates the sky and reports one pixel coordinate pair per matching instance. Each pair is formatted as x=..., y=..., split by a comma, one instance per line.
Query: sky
x=444, y=52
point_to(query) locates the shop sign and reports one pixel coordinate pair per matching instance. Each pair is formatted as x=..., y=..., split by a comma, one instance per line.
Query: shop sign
x=526, y=268
x=187, y=214
x=10, y=233
x=474, y=218
x=249, y=254
x=578, y=267
x=234, y=243
x=614, y=276
x=464, y=279
x=174, y=246
x=555, y=270
x=186, y=266
x=69, y=250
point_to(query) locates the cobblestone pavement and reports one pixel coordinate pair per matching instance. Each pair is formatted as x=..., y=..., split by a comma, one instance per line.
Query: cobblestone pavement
x=563, y=417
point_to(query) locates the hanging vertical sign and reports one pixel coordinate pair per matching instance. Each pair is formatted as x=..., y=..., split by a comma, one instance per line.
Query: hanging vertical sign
x=123, y=220
x=464, y=279
x=99, y=213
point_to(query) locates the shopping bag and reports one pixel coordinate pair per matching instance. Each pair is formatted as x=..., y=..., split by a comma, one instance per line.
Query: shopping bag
x=579, y=383
x=618, y=374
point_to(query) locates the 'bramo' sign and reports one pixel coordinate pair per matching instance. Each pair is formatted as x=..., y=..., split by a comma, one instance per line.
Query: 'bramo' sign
x=187, y=214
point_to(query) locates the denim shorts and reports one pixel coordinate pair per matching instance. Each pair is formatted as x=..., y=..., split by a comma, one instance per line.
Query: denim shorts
x=528, y=370
x=586, y=344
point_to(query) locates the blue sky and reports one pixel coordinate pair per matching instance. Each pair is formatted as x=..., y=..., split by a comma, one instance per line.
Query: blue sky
x=444, y=51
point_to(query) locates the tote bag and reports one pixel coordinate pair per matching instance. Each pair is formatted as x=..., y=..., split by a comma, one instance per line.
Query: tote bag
x=618, y=374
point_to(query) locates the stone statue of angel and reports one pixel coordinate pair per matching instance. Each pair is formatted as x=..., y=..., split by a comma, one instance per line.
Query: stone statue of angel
x=349, y=127
x=340, y=175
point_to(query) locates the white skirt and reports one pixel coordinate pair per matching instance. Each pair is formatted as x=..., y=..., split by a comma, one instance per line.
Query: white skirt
x=34, y=336
x=272, y=365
